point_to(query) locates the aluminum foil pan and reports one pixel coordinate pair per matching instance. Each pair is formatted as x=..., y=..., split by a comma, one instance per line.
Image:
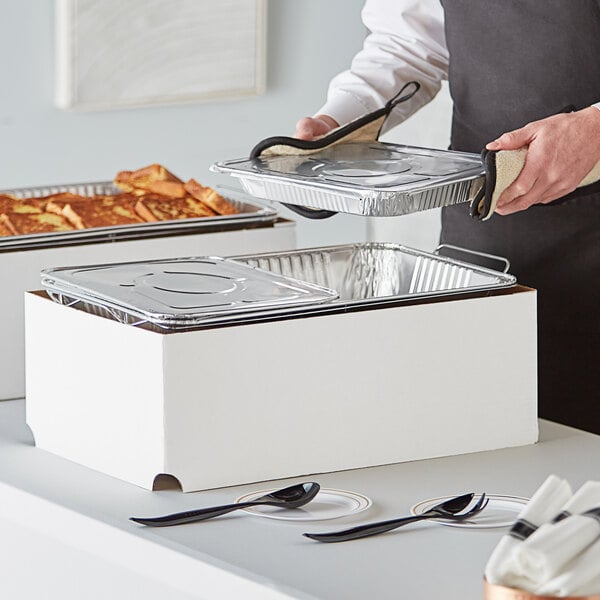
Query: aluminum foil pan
x=335, y=279
x=380, y=273
x=250, y=213
x=179, y=293
x=364, y=178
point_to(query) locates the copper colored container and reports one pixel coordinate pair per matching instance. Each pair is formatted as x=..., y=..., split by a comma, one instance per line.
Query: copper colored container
x=498, y=592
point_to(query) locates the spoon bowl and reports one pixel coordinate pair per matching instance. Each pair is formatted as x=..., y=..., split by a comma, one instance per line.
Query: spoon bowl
x=294, y=496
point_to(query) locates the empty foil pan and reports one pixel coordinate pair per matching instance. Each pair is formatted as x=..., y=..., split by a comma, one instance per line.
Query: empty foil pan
x=206, y=292
x=375, y=273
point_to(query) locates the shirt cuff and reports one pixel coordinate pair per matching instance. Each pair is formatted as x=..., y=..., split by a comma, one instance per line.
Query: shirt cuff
x=344, y=107
x=597, y=105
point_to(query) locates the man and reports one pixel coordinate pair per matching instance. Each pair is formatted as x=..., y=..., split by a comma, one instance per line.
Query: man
x=513, y=67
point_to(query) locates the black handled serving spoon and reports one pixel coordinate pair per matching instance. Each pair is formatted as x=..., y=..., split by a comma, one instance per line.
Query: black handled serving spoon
x=453, y=509
x=294, y=496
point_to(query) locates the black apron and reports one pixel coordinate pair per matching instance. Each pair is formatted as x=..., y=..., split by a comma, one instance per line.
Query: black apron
x=512, y=62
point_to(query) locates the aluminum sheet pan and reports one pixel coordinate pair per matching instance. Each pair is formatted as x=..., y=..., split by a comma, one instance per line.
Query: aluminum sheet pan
x=251, y=212
x=364, y=178
x=179, y=293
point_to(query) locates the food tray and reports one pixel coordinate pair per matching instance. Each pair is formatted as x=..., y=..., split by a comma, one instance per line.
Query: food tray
x=251, y=213
x=378, y=273
x=179, y=293
x=364, y=178
x=360, y=275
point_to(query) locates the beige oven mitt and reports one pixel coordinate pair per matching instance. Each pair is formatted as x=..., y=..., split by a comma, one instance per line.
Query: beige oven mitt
x=502, y=167
x=363, y=129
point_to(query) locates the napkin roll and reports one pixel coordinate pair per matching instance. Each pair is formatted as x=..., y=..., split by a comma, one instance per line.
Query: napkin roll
x=546, y=552
x=556, y=553
x=544, y=505
x=580, y=577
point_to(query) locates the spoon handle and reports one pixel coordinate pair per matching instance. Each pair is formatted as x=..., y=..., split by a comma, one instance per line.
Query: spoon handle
x=366, y=530
x=190, y=516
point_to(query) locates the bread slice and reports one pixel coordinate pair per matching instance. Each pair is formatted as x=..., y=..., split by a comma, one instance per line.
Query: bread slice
x=208, y=196
x=10, y=205
x=153, y=207
x=153, y=178
x=28, y=215
x=6, y=201
x=97, y=211
x=123, y=181
x=6, y=227
x=172, y=189
x=26, y=223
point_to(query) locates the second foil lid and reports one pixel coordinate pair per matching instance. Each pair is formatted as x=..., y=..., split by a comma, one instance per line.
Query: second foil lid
x=180, y=293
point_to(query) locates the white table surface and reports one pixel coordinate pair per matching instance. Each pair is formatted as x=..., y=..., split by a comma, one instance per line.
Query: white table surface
x=65, y=531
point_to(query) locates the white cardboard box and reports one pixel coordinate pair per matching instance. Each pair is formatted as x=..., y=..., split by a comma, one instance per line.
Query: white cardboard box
x=20, y=271
x=246, y=403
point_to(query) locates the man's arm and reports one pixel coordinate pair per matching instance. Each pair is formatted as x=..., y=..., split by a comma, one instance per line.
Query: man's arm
x=406, y=42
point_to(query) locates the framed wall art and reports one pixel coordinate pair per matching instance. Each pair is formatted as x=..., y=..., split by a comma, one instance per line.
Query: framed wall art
x=114, y=53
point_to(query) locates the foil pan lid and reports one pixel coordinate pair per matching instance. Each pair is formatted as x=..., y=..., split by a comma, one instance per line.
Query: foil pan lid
x=364, y=166
x=184, y=291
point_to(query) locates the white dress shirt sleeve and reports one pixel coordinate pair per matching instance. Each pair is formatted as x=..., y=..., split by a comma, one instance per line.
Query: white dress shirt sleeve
x=406, y=43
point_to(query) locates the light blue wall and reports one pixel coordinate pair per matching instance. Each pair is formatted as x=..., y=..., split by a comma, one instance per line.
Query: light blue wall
x=308, y=42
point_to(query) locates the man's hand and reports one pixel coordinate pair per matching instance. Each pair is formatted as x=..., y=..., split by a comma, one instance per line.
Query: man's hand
x=311, y=128
x=562, y=151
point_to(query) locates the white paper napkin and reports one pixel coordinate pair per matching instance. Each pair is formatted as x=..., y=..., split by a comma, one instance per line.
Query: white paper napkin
x=544, y=505
x=543, y=555
x=586, y=497
x=581, y=577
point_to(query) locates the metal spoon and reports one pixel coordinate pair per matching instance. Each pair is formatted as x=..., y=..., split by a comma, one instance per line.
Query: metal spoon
x=449, y=509
x=289, y=497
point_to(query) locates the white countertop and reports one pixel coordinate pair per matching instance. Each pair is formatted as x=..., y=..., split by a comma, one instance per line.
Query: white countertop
x=66, y=532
